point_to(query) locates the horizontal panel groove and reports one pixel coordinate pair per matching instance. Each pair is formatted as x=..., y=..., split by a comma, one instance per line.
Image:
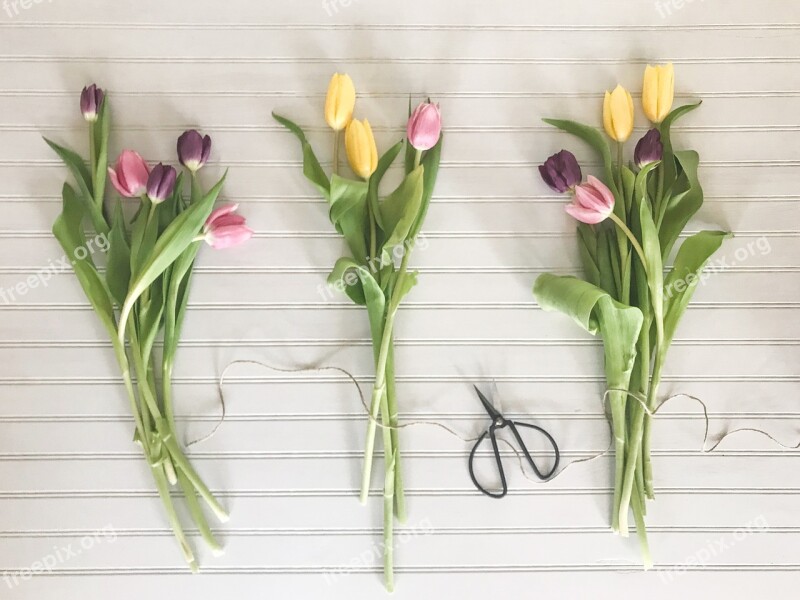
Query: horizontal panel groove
x=388, y=60
x=399, y=530
x=233, y=380
x=400, y=342
x=541, y=490
x=489, y=27
x=316, y=456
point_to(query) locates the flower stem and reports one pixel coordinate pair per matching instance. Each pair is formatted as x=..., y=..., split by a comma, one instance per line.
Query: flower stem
x=336, y=151
x=631, y=237
x=391, y=394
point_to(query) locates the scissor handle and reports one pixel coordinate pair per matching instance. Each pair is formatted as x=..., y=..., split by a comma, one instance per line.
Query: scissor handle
x=491, y=433
x=513, y=426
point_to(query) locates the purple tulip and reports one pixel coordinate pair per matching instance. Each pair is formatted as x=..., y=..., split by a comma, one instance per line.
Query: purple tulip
x=649, y=149
x=91, y=101
x=161, y=183
x=193, y=149
x=561, y=171
x=424, y=126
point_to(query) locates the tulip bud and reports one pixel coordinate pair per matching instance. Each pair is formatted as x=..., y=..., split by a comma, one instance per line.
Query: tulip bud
x=340, y=101
x=130, y=174
x=193, y=149
x=361, y=150
x=649, y=149
x=618, y=114
x=658, y=91
x=593, y=202
x=223, y=229
x=161, y=183
x=424, y=126
x=561, y=171
x=91, y=101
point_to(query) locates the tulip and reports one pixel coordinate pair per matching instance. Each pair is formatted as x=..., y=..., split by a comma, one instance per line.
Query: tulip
x=618, y=114
x=593, y=202
x=340, y=102
x=91, y=101
x=649, y=149
x=223, y=229
x=130, y=174
x=161, y=183
x=561, y=171
x=424, y=126
x=361, y=150
x=658, y=91
x=193, y=149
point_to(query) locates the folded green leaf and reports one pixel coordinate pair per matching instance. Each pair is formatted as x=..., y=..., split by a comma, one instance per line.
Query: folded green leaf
x=682, y=207
x=375, y=181
x=670, y=171
x=400, y=209
x=311, y=167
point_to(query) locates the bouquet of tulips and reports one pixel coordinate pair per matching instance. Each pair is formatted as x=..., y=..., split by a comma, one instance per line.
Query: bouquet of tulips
x=143, y=293
x=379, y=233
x=630, y=219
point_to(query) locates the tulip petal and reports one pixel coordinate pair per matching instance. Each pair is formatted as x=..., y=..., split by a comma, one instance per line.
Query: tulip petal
x=220, y=212
x=584, y=215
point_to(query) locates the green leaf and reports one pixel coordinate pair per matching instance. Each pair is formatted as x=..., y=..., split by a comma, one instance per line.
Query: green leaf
x=84, y=180
x=670, y=172
x=652, y=250
x=375, y=181
x=349, y=214
x=682, y=280
x=598, y=313
x=177, y=296
x=587, y=245
x=681, y=207
x=311, y=167
x=118, y=269
x=430, y=162
x=68, y=230
x=358, y=283
x=171, y=244
x=400, y=209
x=596, y=140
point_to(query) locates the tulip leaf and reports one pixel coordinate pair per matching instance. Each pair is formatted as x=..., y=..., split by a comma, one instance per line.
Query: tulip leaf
x=682, y=280
x=408, y=283
x=311, y=167
x=430, y=162
x=598, y=313
x=596, y=140
x=357, y=282
x=587, y=246
x=682, y=206
x=670, y=169
x=375, y=180
x=176, y=299
x=400, y=209
x=177, y=237
x=349, y=214
x=118, y=269
x=607, y=259
x=68, y=230
x=83, y=178
x=651, y=248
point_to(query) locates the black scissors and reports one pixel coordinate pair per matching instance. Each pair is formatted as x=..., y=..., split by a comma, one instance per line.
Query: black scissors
x=500, y=422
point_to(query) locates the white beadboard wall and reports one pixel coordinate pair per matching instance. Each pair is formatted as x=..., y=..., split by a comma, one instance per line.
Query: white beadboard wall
x=286, y=461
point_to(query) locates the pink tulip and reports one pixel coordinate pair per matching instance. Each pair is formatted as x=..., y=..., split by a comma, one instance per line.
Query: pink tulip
x=130, y=174
x=593, y=202
x=224, y=229
x=424, y=126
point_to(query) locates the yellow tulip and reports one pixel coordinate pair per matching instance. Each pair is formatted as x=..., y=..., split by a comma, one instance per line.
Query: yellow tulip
x=618, y=114
x=340, y=101
x=361, y=149
x=658, y=91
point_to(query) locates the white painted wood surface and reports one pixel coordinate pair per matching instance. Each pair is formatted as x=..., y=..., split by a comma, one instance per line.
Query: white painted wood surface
x=286, y=461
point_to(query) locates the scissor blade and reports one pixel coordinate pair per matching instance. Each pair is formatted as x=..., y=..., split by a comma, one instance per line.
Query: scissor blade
x=493, y=412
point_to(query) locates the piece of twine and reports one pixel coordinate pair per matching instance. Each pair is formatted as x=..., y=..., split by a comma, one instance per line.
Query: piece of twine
x=640, y=398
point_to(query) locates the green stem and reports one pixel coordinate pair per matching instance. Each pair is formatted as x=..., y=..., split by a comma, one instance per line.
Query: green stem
x=618, y=400
x=388, y=522
x=391, y=394
x=641, y=530
x=336, y=152
x=196, y=511
x=655, y=382
x=631, y=237
x=379, y=387
x=172, y=515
